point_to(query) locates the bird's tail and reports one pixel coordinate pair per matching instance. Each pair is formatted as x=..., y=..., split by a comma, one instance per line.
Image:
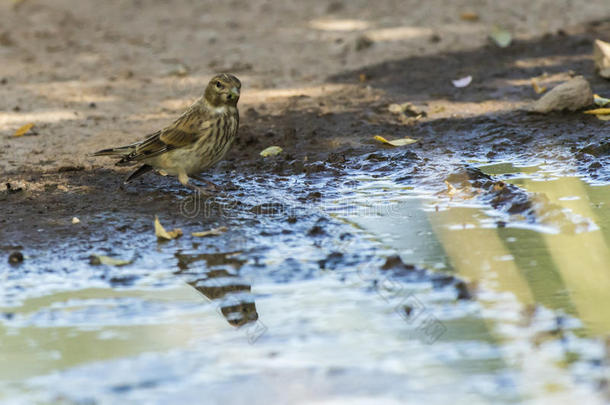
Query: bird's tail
x=140, y=171
x=120, y=151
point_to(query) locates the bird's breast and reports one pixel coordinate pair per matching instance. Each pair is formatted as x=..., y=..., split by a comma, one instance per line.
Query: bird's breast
x=216, y=140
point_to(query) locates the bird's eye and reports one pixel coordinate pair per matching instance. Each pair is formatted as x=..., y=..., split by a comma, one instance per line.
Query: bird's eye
x=218, y=85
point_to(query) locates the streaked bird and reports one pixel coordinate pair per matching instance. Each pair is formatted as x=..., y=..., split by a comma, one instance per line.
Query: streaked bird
x=197, y=140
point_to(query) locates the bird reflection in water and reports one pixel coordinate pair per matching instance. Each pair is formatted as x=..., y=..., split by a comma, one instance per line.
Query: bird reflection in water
x=221, y=284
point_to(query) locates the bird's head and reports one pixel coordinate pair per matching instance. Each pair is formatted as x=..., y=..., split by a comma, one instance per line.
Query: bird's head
x=223, y=89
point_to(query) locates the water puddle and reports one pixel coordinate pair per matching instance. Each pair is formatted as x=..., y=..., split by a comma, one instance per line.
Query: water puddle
x=492, y=289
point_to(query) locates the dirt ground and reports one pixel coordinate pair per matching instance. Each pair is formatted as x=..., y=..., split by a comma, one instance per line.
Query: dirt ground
x=317, y=80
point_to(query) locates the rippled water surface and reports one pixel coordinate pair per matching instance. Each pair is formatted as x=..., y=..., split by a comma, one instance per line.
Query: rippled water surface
x=501, y=307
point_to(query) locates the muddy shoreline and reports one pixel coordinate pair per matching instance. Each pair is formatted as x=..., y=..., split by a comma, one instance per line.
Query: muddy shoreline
x=326, y=134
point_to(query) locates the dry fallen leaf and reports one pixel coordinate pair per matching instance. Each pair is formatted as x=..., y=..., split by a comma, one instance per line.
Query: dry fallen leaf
x=598, y=111
x=211, y=232
x=271, y=151
x=469, y=16
x=601, y=58
x=537, y=88
x=600, y=101
x=601, y=113
x=501, y=37
x=24, y=129
x=463, y=82
x=97, y=260
x=163, y=234
x=395, y=142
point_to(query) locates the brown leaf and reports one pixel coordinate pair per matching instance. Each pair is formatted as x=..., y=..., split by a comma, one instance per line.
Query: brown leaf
x=469, y=16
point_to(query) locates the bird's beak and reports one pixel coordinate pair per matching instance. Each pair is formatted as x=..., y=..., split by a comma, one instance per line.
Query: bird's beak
x=235, y=91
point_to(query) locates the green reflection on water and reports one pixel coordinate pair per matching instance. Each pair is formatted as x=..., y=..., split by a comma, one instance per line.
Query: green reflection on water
x=582, y=259
x=34, y=350
x=567, y=270
x=507, y=168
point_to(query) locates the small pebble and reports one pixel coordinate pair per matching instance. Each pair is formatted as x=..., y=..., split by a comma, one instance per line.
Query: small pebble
x=75, y=220
x=15, y=258
x=463, y=291
x=363, y=42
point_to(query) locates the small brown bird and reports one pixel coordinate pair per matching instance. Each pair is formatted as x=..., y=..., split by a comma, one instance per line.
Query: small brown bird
x=197, y=140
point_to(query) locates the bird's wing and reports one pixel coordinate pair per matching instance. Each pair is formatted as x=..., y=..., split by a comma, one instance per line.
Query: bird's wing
x=185, y=131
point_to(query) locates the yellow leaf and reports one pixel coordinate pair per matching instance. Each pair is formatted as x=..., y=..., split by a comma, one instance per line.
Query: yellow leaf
x=96, y=260
x=396, y=142
x=271, y=151
x=163, y=234
x=598, y=111
x=211, y=232
x=600, y=101
x=537, y=88
x=24, y=129
x=603, y=117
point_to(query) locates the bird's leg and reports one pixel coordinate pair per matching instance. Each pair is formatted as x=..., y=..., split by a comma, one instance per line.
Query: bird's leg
x=183, y=178
x=210, y=185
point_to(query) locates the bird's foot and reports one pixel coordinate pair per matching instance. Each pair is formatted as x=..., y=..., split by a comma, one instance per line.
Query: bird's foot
x=210, y=186
x=200, y=190
x=184, y=180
